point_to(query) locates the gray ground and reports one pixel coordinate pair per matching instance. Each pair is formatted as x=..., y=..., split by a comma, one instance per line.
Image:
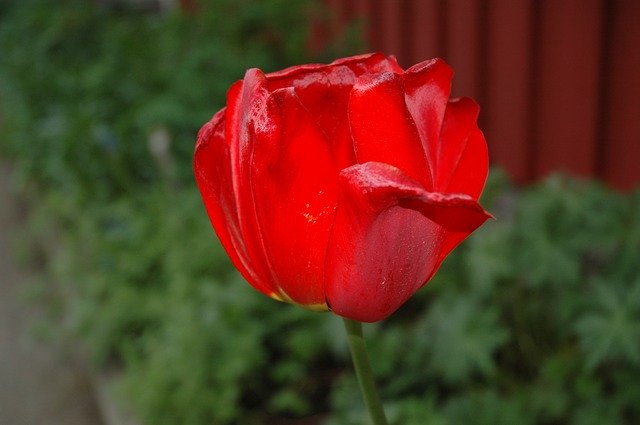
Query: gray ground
x=40, y=384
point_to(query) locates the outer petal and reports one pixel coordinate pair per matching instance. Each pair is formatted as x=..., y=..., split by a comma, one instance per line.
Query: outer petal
x=463, y=159
x=387, y=238
x=212, y=168
x=324, y=92
x=248, y=123
x=382, y=128
x=295, y=188
x=299, y=75
x=427, y=86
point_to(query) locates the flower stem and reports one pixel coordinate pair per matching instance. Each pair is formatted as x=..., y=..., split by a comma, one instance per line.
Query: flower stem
x=364, y=373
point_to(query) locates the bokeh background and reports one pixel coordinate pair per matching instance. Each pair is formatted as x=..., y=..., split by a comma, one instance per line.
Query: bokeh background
x=110, y=264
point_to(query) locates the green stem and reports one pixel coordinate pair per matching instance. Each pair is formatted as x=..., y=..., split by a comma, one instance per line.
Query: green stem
x=363, y=371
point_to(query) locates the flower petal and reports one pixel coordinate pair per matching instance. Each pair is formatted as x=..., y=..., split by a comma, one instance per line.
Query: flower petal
x=427, y=86
x=387, y=238
x=295, y=187
x=382, y=128
x=212, y=168
x=296, y=76
x=247, y=120
x=324, y=92
x=463, y=159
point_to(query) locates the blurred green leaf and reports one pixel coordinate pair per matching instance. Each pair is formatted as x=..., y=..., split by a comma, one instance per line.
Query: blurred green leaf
x=610, y=330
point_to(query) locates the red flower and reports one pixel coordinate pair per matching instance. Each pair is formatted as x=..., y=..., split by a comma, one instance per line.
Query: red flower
x=343, y=186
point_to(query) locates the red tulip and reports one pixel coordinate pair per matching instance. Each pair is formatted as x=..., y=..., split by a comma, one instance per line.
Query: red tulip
x=343, y=186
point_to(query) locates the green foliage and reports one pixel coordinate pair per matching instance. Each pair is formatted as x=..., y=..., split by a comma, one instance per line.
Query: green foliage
x=67, y=85
x=486, y=408
x=533, y=320
x=462, y=335
x=610, y=331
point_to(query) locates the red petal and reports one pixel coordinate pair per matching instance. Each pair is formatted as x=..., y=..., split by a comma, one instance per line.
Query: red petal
x=387, y=239
x=427, y=86
x=371, y=63
x=247, y=123
x=463, y=159
x=324, y=91
x=382, y=128
x=212, y=168
x=295, y=189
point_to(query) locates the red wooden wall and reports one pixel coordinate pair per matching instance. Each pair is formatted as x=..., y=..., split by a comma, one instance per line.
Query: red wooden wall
x=558, y=81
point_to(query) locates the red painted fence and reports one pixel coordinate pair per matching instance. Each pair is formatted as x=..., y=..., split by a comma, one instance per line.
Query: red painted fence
x=558, y=80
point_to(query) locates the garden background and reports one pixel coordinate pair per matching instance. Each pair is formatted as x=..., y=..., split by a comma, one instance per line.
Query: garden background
x=535, y=319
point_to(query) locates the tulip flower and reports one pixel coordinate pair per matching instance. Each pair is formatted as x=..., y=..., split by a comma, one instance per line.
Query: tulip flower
x=344, y=186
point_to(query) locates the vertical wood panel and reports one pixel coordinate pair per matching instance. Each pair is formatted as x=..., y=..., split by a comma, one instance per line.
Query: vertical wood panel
x=333, y=7
x=329, y=26
x=391, y=27
x=347, y=9
x=406, y=30
x=568, y=72
x=507, y=108
x=425, y=30
x=463, y=48
x=375, y=25
x=362, y=12
x=622, y=114
x=584, y=116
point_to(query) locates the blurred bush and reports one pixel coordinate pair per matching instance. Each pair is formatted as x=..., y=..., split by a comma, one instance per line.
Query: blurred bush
x=534, y=320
